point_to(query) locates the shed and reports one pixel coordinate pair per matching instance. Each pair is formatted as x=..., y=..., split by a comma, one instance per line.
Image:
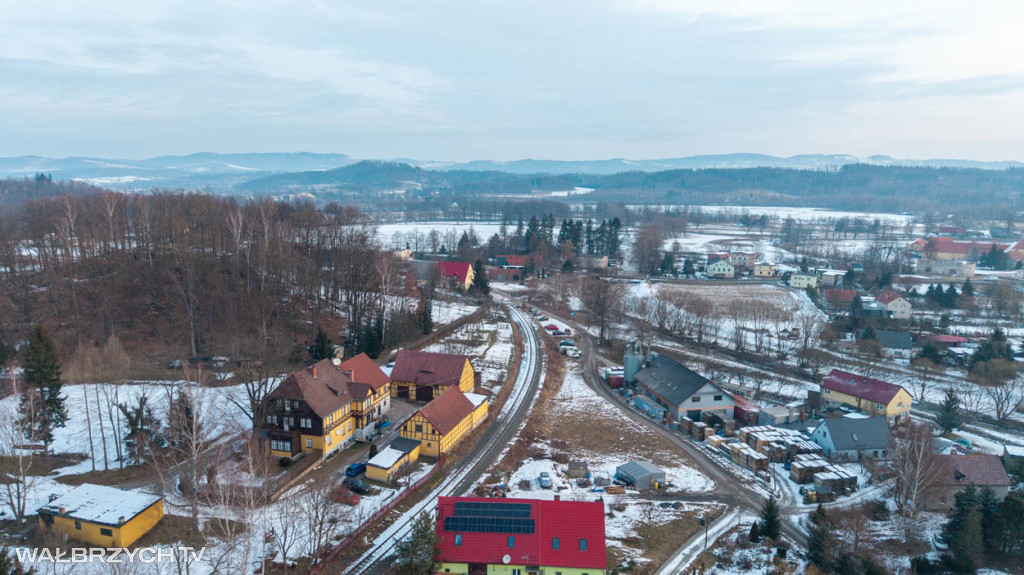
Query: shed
x=640, y=474
x=578, y=469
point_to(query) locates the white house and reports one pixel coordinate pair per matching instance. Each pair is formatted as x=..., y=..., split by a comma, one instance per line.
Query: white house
x=721, y=268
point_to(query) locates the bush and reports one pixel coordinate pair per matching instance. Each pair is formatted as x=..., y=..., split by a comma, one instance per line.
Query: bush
x=285, y=461
x=877, y=510
x=921, y=565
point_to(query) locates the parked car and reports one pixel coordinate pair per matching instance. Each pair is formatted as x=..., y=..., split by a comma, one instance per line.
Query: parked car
x=545, y=480
x=356, y=485
x=568, y=331
x=542, y=318
x=175, y=364
x=551, y=327
x=568, y=342
x=355, y=470
x=571, y=351
x=558, y=332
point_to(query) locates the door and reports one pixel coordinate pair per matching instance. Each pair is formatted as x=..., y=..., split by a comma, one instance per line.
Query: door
x=403, y=392
x=424, y=393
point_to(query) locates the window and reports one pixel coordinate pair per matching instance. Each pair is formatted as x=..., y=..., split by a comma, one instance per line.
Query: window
x=329, y=439
x=458, y=539
x=290, y=421
x=78, y=525
x=511, y=541
x=517, y=572
x=419, y=428
x=278, y=445
x=718, y=398
x=880, y=406
x=555, y=543
x=309, y=442
x=272, y=419
x=827, y=392
x=305, y=422
x=583, y=544
x=106, y=532
x=695, y=399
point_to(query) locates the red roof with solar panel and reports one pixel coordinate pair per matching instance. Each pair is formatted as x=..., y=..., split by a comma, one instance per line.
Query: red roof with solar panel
x=530, y=532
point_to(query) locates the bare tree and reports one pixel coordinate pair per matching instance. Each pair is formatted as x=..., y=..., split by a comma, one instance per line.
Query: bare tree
x=320, y=512
x=15, y=462
x=916, y=467
x=603, y=299
x=1006, y=397
x=257, y=384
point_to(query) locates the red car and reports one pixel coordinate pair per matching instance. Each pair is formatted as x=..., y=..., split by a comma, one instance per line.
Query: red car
x=551, y=327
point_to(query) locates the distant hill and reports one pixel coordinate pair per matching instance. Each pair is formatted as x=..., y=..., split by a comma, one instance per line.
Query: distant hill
x=725, y=161
x=191, y=171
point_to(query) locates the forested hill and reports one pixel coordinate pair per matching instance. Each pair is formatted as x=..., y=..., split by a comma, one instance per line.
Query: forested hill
x=16, y=191
x=852, y=187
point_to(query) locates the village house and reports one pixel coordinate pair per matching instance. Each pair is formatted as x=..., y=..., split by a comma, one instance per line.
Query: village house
x=442, y=423
x=511, y=260
x=895, y=344
x=390, y=461
x=851, y=438
x=721, y=268
x=832, y=278
x=403, y=255
x=959, y=471
x=456, y=273
x=870, y=396
x=102, y=516
x=939, y=248
x=505, y=273
x=839, y=299
x=1013, y=458
x=765, y=270
x=369, y=387
x=803, y=281
x=520, y=536
x=310, y=411
x=744, y=260
x=895, y=303
x=680, y=390
x=423, y=375
x=946, y=268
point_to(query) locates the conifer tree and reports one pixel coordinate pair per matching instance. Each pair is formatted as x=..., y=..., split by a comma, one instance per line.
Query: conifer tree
x=951, y=415
x=322, y=347
x=415, y=553
x=480, y=282
x=771, y=524
x=755, y=533
x=42, y=406
x=963, y=532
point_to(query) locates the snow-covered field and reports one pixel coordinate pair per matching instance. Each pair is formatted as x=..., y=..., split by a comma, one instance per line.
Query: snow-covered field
x=489, y=346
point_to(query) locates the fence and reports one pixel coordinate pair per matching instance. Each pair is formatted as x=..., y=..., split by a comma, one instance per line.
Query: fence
x=381, y=513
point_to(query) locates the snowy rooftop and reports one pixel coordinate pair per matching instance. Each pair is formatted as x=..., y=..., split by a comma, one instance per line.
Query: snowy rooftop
x=386, y=458
x=1014, y=450
x=100, y=504
x=476, y=398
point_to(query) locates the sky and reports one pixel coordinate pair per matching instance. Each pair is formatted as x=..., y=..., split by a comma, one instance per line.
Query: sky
x=482, y=79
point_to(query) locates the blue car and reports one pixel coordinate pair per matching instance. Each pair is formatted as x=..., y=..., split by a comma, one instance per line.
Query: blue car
x=356, y=469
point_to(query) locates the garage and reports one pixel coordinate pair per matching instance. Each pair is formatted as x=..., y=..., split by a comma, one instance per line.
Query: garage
x=640, y=475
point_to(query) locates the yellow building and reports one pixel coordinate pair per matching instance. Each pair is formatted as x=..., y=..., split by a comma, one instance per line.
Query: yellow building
x=392, y=459
x=311, y=412
x=765, y=270
x=442, y=423
x=102, y=516
x=423, y=376
x=870, y=396
x=803, y=281
x=369, y=387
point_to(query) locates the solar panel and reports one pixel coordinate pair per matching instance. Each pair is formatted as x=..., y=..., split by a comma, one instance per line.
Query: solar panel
x=479, y=509
x=481, y=517
x=489, y=525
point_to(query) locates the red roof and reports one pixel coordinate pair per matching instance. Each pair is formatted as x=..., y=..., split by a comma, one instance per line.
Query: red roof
x=887, y=297
x=976, y=468
x=951, y=246
x=859, y=386
x=948, y=339
x=428, y=368
x=447, y=410
x=457, y=269
x=840, y=295
x=365, y=370
x=514, y=260
x=567, y=522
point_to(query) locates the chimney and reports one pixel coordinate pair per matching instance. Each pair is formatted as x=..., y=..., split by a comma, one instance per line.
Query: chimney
x=348, y=374
x=120, y=520
x=312, y=370
x=62, y=510
x=558, y=497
